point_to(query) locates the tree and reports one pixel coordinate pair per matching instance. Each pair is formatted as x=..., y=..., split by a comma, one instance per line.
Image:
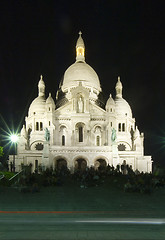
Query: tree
x=1, y=151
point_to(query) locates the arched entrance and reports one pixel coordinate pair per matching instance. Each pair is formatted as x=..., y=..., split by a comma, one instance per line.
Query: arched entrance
x=100, y=163
x=80, y=164
x=61, y=163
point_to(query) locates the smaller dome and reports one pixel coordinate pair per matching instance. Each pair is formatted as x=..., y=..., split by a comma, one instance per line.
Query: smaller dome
x=50, y=100
x=23, y=132
x=38, y=105
x=122, y=107
x=110, y=103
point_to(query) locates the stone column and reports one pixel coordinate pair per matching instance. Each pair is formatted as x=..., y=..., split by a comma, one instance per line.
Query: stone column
x=45, y=155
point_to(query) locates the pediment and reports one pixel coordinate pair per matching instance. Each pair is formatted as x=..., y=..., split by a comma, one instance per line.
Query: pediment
x=96, y=110
x=65, y=109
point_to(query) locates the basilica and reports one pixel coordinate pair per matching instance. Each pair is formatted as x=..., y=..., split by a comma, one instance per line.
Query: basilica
x=79, y=129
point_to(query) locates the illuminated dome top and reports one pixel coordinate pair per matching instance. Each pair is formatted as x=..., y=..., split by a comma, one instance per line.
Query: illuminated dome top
x=80, y=71
x=122, y=107
x=38, y=104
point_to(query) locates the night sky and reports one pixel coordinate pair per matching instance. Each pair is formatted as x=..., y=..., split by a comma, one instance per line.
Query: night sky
x=125, y=38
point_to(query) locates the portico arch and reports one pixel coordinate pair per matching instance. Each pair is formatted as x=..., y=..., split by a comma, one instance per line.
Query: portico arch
x=60, y=162
x=100, y=162
x=80, y=163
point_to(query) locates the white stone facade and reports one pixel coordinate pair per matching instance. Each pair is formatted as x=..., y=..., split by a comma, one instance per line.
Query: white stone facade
x=80, y=129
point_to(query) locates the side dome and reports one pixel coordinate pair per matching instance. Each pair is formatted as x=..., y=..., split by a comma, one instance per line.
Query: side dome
x=122, y=107
x=80, y=71
x=38, y=104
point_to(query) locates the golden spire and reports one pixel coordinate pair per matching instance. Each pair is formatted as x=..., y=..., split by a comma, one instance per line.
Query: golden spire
x=80, y=49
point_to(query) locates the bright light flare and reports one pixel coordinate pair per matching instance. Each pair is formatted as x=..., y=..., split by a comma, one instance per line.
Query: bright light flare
x=14, y=138
x=9, y=136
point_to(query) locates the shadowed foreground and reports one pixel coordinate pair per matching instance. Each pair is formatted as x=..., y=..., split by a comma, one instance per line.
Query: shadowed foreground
x=72, y=212
x=53, y=226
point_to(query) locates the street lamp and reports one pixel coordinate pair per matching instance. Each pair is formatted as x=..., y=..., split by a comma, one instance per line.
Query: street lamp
x=14, y=140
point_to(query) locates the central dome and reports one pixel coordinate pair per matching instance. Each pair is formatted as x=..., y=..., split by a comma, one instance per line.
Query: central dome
x=80, y=71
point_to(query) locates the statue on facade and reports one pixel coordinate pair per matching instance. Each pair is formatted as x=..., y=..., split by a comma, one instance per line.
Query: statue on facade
x=133, y=137
x=47, y=135
x=113, y=135
x=80, y=105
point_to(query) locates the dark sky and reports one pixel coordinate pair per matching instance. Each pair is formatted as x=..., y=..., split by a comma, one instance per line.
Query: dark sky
x=125, y=38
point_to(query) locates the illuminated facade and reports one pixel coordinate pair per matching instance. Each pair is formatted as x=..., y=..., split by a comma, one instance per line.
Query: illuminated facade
x=79, y=130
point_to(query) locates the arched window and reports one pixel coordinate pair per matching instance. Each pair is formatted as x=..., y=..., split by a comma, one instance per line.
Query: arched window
x=41, y=126
x=119, y=127
x=80, y=51
x=63, y=140
x=80, y=131
x=123, y=127
x=62, y=135
x=37, y=126
x=98, y=140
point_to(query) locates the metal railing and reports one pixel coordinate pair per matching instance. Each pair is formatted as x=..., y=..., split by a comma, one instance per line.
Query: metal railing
x=2, y=176
x=16, y=175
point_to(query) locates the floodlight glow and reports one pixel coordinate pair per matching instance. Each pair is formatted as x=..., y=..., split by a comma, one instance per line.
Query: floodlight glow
x=14, y=138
